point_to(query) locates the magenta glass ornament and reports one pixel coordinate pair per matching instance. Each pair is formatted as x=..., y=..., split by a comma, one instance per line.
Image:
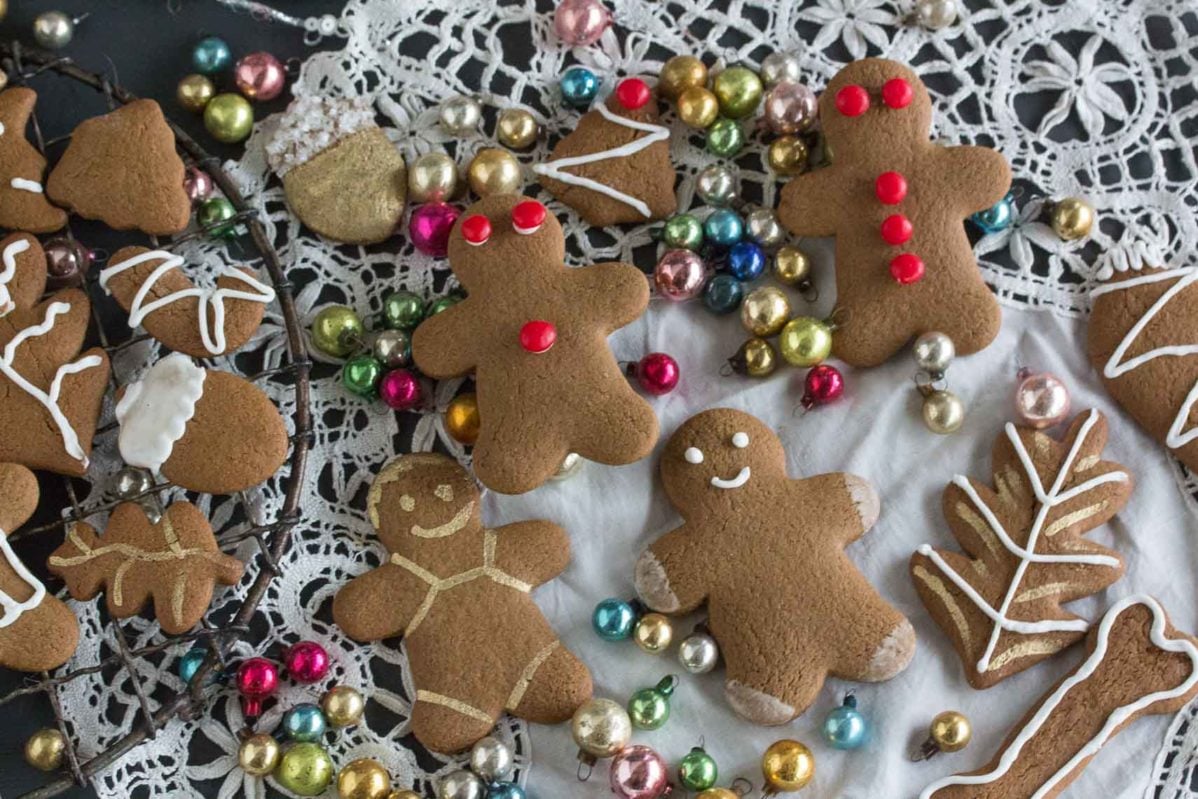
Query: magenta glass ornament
x=198, y=184
x=67, y=261
x=657, y=373
x=790, y=108
x=260, y=76
x=306, y=662
x=823, y=384
x=638, y=772
x=401, y=390
x=1041, y=399
x=680, y=275
x=581, y=22
x=430, y=225
x=257, y=681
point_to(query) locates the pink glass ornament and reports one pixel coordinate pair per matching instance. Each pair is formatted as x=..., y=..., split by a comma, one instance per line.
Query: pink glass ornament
x=198, y=184
x=260, y=76
x=638, y=772
x=67, y=261
x=657, y=373
x=680, y=275
x=257, y=680
x=306, y=662
x=430, y=226
x=401, y=390
x=1041, y=399
x=790, y=108
x=581, y=22
x=823, y=384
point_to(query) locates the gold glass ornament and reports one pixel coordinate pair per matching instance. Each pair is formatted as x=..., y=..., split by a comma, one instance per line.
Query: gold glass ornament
x=432, y=177
x=653, y=633
x=46, y=749
x=3, y=9
x=787, y=155
x=787, y=766
x=259, y=754
x=718, y=793
x=943, y=412
x=305, y=769
x=739, y=91
x=194, y=91
x=680, y=73
x=792, y=266
x=1072, y=218
x=404, y=795
x=805, y=341
x=364, y=779
x=755, y=358
x=343, y=706
x=698, y=107
x=764, y=311
x=229, y=117
x=494, y=171
x=601, y=728
x=516, y=128
x=950, y=731
x=462, y=420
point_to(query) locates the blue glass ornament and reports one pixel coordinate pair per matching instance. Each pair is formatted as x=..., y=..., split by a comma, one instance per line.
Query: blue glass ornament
x=614, y=619
x=723, y=294
x=579, y=86
x=190, y=663
x=304, y=723
x=997, y=217
x=211, y=55
x=724, y=227
x=746, y=261
x=505, y=790
x=845, y=727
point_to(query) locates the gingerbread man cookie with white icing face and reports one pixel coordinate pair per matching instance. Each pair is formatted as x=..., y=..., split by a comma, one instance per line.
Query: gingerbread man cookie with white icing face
x=23, y=203
x=766, y=554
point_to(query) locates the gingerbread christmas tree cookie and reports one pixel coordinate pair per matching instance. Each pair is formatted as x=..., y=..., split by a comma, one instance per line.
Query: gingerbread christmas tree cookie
x=459, y=593
x=23, y=203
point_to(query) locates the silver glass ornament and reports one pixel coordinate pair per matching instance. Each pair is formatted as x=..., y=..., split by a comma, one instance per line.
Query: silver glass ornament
x=392, y=348
x=698, y=653
x=936, y=14
x=53, y=29
x=763, y=227
x=934, y=352
x=777, y=67
x=716, y=185
x=131, y=481
x=943, y=412
x=460, y=115
x=571, y=465
x=461, y=784
x=491, y=759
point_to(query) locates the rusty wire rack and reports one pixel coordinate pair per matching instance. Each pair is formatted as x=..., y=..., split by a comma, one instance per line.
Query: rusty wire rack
x=18, y=65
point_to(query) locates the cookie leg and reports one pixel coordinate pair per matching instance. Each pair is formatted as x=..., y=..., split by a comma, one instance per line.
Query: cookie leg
x=623, y=429
x=872, y=330
x=876, y=644
x=972, y=320
x=448, y=725
x=551, y=690
x=42, y=638
x=765, y=696
x=516, y=457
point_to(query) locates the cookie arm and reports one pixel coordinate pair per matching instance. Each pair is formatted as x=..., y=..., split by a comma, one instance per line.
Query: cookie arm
x=533, y=552
x=444, y=345
x=378, y=604
x=670, y=574
x=975, y=177
x=809, y=205
x=849, y=504
x=611, y=294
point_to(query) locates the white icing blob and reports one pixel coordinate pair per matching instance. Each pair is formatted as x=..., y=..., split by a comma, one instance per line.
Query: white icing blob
x=155, y=410
x=693, y=455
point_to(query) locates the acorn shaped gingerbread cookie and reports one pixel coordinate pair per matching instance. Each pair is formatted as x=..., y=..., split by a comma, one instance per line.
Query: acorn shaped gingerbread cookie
x=202, y=429
x=341, y=175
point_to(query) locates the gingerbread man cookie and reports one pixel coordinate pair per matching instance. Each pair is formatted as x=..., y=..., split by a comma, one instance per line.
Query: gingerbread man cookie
x=896, y=203
x=460, y=594
x=23, y=203
x=766, y=553
x=534, y=333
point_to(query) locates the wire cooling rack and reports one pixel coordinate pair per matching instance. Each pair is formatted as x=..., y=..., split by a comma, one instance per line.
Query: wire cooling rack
x=19, y=65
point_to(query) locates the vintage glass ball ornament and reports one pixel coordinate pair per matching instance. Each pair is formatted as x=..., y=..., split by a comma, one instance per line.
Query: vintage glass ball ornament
x=229, y=117
x=494, y=171
x=403, y=310
x=649, y=708
x=1072, y=218
x=765, y=311
x=343, y=706
x=755, y=358
x=361, y=375
x=53, y=30
x=517, y=128
x=787, y=155
x=723, y=294
x=697, y=771
x=719, y=793
x=304, y=722
x=337, y=331
x=936, y=14
x=363, y=779
x=459, y=115
x=638, y=772
x=725, y=137
x=933, y=352
x=305, y=769
x=257, y=681
x=790, y=108
x=132, y=482
x=779, y=67
x=579, y=86
x=997, y=217
x=211, y=55
x=653, y=633
x=680, y=73
x=491, y=759
x=190, y=663
x=442, y=304
x=400, y=390
x=581, y=23
x=680, y=275
x=614, y=619
x=306, y=662
x=46, y=749
x=805, y=341
x=404, y=795
x=787, y=766
x=260, y=76
x=724, y=228
x=571, y=465
x=845, y=727
x=600, y=728
x=392, y=348
x=738, y=90
x=943, y=412
x=198, y=184
x=682, y=232
x=462, y=419
x=792, y=267
x=259, y=754
x=461, y=784
x=194, y=91
x=698, y=653
x=67, y=261
x=763, y=227
x=657, y=373
x=430, y=226
x=215, y=214
x=716, y=185
x=698, y=107
x=823, y=384
x=1041, y=399
x=433, y=177
x=950, y=731
x=505, y=790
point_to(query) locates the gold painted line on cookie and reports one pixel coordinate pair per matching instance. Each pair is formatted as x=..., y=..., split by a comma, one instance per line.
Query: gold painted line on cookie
x=456, y=705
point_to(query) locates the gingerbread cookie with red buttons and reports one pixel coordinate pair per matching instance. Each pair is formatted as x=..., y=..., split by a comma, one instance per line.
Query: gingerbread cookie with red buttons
x=897, y=203
x=23, y=203
x=534, y=333
x=614, y=168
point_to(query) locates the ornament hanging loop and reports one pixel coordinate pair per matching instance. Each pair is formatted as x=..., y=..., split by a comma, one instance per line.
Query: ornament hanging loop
x=741, y=787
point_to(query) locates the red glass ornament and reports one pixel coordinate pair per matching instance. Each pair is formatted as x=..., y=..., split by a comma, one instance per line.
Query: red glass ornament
x=897, y=93
x=400, y=390
x=528, y=216
x=907, y=268
x=852, y=101
x=633, y=93
x=823, y=384
x=896, y=229
x=257, y=680
x=306, y=662
x=476, y=229
x=891, y=187
x=657, y=373
x=537, y=336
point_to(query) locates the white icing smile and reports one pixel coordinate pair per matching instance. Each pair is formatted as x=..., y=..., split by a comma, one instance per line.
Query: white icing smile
x=736, y=482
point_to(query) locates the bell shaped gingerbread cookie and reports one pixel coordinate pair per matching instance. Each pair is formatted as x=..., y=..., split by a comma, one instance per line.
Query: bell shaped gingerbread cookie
x=460, y=595
x=534, y=333
x=766, y=553
x=897, y=203
x=23, y=203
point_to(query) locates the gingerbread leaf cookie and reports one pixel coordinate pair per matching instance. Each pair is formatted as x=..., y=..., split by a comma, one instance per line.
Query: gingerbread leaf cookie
x=37, y=631
x=1025, y=550
x=175, y=563
x=23, y=203
x=201, y=322
x=1136, y=665
x=534, y=333
x=766, y=553
x=22, y=272
x=897, y=203
x=454, y=588
x=122, y=169
x=615, y=166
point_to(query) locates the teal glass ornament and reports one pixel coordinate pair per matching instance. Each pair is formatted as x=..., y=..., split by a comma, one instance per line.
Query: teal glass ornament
x=723, y=294
x=304, y=723
x=698, y=771
x=682, y=232
x=190, y=663
x=746, y=260
x=649, y=708
x=845, y=727
x=505, y=790
x=614, y=619
x=361, y=375
x=997, y=217
x=212, y=212
x=579, y=86
x=725, y=138
x=724, y=227
x=403, y=310
x=211, y=55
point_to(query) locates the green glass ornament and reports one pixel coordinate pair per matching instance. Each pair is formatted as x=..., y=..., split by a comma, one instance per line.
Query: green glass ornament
x=403, y=310
x=305, y=769
x=739, y=91
x=337, y=331
x=649, y=708
x=683, y=231
x=725, y=138
x=212, y=212
x=361, y=375
x=698, y=770
x=443, y=304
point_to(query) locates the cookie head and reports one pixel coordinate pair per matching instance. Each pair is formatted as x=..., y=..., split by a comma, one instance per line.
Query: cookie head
x=718, y=456
x=422, y=497
x=502, y=235
x=874, y=104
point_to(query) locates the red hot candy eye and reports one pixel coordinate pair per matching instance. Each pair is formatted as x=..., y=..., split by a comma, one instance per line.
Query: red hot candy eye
x=633, y=93
x=906, y=268
x=896, y=229
x=476, y=229
x=897, y=93
x=537, y=336
x=528, y=216
x=891, y=188
x=852, y=101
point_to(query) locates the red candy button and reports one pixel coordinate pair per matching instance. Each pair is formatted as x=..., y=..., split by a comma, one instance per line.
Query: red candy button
x=896, y=229
x=528, y=216
x=891, y=188
x=633, y=93
x=906, y=268
x=852, y=101
x=537, y=336
x=476, y=229
x=897, y=93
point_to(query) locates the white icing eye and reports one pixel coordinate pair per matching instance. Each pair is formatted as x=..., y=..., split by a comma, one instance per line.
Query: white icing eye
x=740, y=440
x=693, y=455
x=407, y=503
